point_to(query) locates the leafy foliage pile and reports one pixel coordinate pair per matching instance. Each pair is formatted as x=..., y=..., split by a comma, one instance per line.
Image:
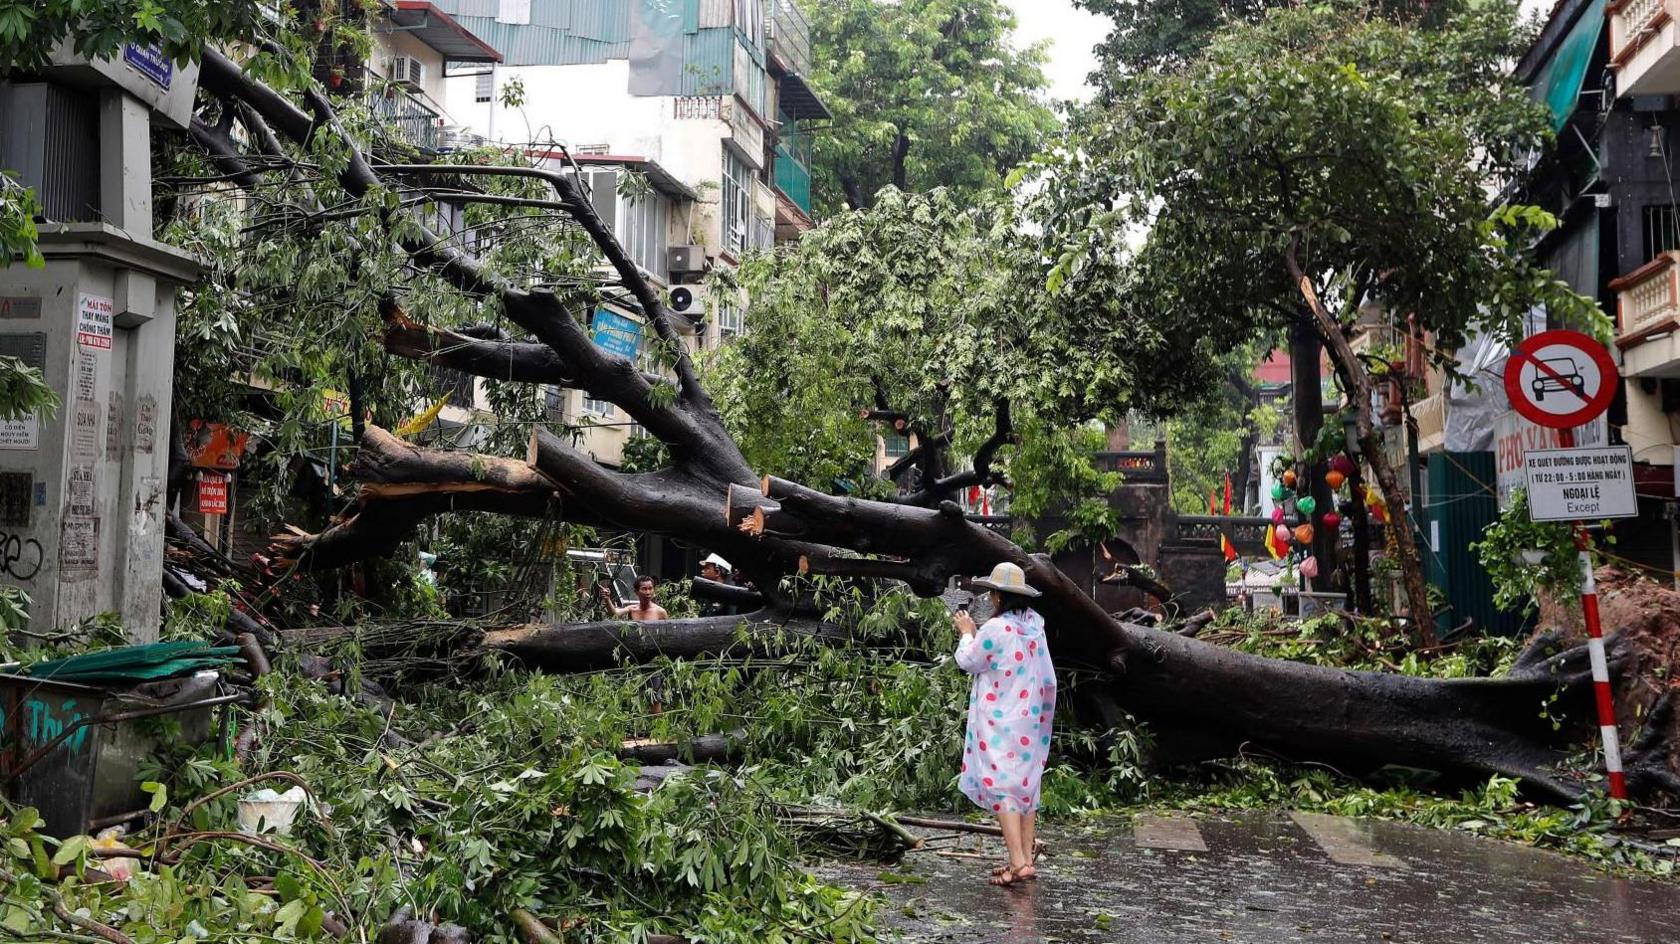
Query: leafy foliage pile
x=1370, y=644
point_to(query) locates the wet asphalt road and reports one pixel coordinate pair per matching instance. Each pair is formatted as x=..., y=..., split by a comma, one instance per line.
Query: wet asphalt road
x=1265, y=878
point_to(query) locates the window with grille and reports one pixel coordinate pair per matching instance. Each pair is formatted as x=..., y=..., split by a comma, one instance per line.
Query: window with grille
x=645, y=231
x=1662, y=230
x=737, y=202
x=597, y=407
x=554, y=404
x=729, y=319
x=484, y=87
x=897, y=446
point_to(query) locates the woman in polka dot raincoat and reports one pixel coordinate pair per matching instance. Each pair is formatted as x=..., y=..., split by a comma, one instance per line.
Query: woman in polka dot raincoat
x=1009, y=713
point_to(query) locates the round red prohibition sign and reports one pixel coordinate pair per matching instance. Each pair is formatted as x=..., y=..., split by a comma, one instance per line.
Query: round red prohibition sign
x=1560, y=379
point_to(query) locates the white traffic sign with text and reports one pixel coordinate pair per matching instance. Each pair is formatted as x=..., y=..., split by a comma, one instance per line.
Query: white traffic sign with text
x=1581, y=484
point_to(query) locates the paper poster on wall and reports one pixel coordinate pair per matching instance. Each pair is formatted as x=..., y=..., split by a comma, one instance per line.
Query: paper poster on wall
x=84, y=432
x=145, y=424
x=80, y=491
x=113, y=427
x=78, y=548
x=87, y=374
x=93, y=322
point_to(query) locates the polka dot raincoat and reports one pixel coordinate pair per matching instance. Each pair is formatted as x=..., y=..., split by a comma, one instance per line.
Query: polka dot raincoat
x=1009, y=712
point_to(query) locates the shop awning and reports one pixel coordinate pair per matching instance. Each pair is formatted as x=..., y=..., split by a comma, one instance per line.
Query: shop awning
x=1558, y=83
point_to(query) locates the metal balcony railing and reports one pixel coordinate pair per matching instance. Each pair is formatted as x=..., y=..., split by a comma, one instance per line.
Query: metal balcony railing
x=793, y=179
x=412, y=119
x=1648, y=298
x=790, y=35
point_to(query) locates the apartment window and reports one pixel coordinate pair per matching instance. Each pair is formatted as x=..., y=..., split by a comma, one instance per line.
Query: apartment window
x=554, y=404
x=763, y=233
x=897, y=446
x=484, y=87
x=729, y=320
x=749, y=16
x=602, y=408
x=1662, y=230
x=737, y=202
x=645, y=231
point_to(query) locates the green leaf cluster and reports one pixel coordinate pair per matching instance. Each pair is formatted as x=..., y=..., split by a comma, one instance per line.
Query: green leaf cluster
x=943, y=79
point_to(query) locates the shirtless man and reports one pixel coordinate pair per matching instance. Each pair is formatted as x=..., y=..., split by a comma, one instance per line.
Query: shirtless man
x=644, y=610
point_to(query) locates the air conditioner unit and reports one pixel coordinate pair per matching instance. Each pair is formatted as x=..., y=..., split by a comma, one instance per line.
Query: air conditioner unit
x=685, y=260
x=689, y=301
x=409, y=71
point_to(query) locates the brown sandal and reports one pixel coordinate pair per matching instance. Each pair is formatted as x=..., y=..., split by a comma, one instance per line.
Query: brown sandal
x=1005, y=879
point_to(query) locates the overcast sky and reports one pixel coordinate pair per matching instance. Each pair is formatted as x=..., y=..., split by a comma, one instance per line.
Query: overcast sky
x=1072, y=34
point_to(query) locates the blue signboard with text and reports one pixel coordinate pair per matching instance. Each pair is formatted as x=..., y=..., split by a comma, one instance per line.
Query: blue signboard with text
x=613, y=332
x=150, y=62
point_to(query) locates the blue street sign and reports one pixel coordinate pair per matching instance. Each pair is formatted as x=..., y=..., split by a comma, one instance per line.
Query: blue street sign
x=614, y=332
x=150, y=62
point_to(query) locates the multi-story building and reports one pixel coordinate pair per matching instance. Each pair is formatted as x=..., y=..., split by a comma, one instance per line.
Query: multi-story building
x=705, y=102
x=1609, y=72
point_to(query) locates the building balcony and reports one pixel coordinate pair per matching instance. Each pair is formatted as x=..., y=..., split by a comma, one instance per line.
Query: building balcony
x=789, y=34
x=1648, y=318
x=793, y=179
x=1645, y=47
x=411, y=119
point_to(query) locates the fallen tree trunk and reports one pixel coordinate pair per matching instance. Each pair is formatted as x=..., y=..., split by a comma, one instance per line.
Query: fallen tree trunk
x=582, y=647
x=729, y=593
x=705, y=749
x=1469, y=728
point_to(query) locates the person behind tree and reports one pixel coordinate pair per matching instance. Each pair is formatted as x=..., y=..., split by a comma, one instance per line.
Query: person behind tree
x=644, y=610
x=1010, y=707
x=716, y=569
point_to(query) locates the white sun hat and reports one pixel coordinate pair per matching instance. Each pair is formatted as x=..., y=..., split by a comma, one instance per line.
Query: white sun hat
x=714, y=559
x=1007, y=578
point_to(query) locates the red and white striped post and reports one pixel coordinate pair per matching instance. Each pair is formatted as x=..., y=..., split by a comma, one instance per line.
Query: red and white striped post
x=1601, y=676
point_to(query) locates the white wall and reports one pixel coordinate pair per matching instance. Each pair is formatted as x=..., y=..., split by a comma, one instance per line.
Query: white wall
x=589, y=106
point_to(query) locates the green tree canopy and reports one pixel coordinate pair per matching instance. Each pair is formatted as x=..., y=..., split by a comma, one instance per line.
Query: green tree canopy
x=1319, y=163
x=31, y=29
x=925, y=93
x=933, y=308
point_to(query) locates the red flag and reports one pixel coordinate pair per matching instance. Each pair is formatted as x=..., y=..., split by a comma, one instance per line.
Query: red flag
x=1213, y=501
x=1229, y=551
x=1227, y=493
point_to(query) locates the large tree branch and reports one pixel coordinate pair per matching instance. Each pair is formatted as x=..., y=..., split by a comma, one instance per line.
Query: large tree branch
x=981, y=474
x=1358, y=380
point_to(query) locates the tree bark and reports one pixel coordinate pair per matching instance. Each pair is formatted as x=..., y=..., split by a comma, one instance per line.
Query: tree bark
x=583, y=647
x=1358, y=382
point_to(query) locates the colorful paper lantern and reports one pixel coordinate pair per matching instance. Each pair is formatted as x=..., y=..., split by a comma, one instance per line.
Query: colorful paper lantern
x=1332, y=520
x=1283, y=533
x=1277, y=515
x=1342, y=464
x=1289, y=478
x=1309, y=568
x=1306, y=504
x=1335, y=478
x=1278, y=491
x=1304, y=534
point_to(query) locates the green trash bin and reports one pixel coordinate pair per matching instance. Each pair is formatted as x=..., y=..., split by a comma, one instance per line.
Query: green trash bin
x=72, y=751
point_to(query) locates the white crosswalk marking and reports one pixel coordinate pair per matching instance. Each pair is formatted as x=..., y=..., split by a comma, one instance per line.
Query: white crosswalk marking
x=1346, y=841
x=1178, y=833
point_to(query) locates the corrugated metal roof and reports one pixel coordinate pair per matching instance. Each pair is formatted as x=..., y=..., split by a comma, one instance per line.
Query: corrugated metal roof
x=580, y=32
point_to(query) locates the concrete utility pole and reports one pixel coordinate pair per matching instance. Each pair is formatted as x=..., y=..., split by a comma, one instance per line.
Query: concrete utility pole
x=82, y=493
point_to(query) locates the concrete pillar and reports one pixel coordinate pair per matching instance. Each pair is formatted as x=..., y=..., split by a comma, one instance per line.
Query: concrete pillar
x=82, y=491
